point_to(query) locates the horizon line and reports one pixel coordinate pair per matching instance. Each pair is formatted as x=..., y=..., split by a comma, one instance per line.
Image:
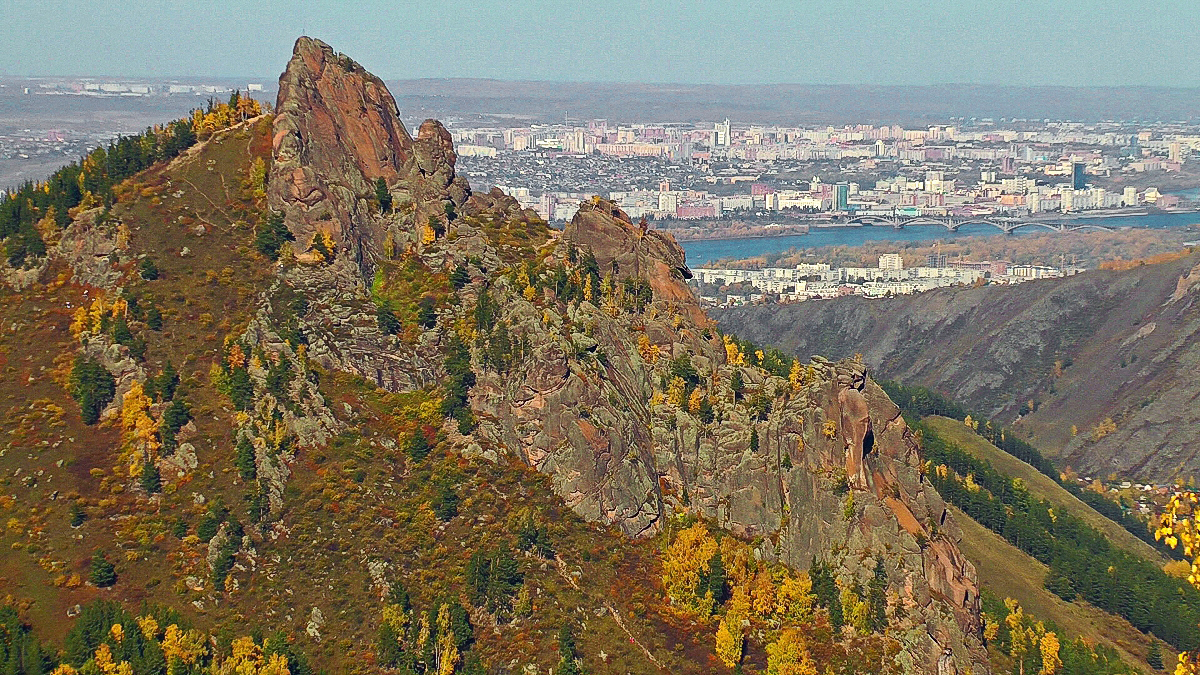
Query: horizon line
x=273, y=81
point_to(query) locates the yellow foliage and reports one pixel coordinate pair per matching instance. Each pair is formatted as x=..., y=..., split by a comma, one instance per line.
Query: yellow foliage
x=730, y=639
x=830, y=429
x=972, y=486
x=762, y=594
x=794, y=602
x=695, y=400
x=855, y=610
x=1103, y=429
x=990, y=629
x=187, y=646
x=446, y=648
x=140, y=429
x=796, y=376
x=1050, y=659
x=530, y=293
x=676, y=391
x=650, y=352
x=148, y=626
x=733, y=354
x=396, y=617
x=789, y=655
x=80, y=322
x=735, y=556
x=685, y=561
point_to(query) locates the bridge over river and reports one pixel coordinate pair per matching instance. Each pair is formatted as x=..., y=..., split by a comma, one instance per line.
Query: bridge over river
x=952, y=223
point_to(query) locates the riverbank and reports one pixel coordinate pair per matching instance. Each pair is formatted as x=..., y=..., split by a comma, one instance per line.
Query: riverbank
x=700, y=252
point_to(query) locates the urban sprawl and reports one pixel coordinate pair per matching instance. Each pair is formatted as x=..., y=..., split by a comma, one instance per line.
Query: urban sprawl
x=691, y=172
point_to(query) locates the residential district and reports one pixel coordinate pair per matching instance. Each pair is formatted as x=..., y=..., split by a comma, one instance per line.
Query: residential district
x=694, y=172
x=811, y=281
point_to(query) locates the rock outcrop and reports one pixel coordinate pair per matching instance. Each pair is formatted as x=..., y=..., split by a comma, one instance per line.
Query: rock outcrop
x=634, y=251
x=337, y=131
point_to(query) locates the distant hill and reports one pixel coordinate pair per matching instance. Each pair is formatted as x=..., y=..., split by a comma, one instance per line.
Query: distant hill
x=1119, y=345
x=787, y=103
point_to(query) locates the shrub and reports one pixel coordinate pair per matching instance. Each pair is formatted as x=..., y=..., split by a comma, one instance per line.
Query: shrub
x=148, y=269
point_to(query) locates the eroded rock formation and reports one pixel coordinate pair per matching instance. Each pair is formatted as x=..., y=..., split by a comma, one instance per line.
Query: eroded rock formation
x=624, y=397
x=337, y=131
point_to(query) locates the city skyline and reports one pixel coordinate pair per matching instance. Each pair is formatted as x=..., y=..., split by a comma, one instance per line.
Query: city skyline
x=1065, y=43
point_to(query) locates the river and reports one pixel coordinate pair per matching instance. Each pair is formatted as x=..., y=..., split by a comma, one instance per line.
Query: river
x=701, y=252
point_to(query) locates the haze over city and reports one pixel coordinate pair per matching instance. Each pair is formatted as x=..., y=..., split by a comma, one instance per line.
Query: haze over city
x=1010, y=42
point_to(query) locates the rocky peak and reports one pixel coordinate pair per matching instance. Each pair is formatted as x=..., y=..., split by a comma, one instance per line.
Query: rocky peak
x=336, y=132
x=629, y=250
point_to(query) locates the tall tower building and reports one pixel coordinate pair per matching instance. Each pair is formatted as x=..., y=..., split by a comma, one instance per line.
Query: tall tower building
x=1078, y=177
x=841, y=197
x=721, y=134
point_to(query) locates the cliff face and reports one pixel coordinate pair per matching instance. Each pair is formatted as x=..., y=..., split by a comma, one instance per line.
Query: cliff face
x=1124, y=344
x=829, y=471
x=623, y=393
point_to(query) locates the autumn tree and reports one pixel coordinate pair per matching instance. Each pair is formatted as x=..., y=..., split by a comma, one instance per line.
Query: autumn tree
x=789, y=655
x=684, y=566
x=1179, y=530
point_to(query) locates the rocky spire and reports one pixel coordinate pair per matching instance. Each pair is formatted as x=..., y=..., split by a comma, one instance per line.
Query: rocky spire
x=336, y=132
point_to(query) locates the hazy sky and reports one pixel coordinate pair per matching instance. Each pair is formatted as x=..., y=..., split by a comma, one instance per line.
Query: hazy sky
x=1063, y=42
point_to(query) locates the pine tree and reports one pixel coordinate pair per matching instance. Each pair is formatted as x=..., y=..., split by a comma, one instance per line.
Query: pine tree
x=148, y=269
x=151, y=479
x=1154, y=659
x=102, y=572
x=382, y=195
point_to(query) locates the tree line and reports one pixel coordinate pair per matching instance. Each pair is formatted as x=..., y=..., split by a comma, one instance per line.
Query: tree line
x=1082, y=561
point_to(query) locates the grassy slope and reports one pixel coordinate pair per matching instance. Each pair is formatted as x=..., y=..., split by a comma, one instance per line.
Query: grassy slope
x=333, y=522
x=1009, y=572
x=1041, y=486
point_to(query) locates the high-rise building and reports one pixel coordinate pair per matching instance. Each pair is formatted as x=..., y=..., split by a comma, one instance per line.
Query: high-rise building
x=891, y=262
x=1078, y=177
x=1129, y=197
x=841, y=197
x=936, y=260
x=721, y=134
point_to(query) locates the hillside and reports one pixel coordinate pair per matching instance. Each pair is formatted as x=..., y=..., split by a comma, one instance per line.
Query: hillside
x=1009, y=572
x=285, y=387
x=1041, y=487
x=1117, y=345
